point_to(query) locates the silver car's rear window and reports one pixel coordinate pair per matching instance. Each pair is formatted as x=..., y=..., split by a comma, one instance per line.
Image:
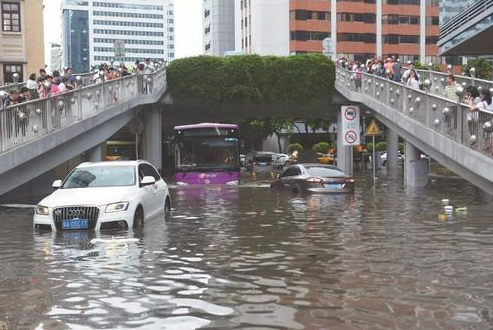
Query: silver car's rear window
x=324, y=172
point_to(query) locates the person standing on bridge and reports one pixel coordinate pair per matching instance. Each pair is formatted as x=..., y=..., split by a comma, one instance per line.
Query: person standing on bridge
x=451, y=89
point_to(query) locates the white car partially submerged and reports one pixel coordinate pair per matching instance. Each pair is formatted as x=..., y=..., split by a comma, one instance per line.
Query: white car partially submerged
x=104, y=195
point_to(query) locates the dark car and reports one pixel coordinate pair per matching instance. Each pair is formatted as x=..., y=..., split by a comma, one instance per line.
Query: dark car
x=314, y=178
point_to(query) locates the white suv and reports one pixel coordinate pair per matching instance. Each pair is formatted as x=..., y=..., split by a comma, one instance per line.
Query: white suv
x=104, y=195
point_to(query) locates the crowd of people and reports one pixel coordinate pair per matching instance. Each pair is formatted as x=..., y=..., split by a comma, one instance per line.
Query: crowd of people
x=393, y=69
x=36, y=86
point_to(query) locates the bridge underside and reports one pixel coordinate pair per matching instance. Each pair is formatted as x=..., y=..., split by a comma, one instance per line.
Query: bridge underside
x=177, y=114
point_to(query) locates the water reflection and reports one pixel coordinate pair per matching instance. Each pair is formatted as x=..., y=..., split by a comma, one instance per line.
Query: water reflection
x=252, y=258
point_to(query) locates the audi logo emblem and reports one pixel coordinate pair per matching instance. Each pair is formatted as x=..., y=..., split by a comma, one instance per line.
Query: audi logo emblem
x=75, y=213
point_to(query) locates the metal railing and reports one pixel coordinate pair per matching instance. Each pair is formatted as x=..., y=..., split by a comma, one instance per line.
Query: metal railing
x=437, y=80
x=86, y=80
x=452, y=119
x=28, y=121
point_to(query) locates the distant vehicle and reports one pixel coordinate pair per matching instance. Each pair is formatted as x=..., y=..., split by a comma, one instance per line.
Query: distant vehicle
x=104, y=195
x=120, y=150
x=282, y=160
x=207, y=154
x=400, y=158
x=264, y=163
x=383, y=159
x=315, y=178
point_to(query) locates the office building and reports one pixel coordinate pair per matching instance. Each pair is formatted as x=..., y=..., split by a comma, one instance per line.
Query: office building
x=408, y=29
x=358, y=29
x=218, y=27
x=21, y=40
x=56, y=57
x=466, y=28
x=262, y=27
x=116, y=30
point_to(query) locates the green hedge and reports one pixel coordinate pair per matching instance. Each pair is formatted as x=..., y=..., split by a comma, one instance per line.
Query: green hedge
x=305, y=81
x=295, y=146
x=322, y=147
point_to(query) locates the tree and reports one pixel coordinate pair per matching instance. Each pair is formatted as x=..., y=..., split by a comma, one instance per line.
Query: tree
x=269, y=126
x=482, y=67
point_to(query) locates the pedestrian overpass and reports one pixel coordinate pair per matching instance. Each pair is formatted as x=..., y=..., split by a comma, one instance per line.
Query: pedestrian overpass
x=39, y=135
x=429, y=123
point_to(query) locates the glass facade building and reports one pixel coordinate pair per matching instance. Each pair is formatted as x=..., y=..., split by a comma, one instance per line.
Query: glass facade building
x=140, y=29
x=76, y=40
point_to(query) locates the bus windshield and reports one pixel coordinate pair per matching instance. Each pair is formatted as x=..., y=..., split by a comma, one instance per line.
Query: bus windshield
x=207, y=154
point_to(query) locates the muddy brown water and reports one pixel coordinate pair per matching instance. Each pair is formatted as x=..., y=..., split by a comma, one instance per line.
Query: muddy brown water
x=251, y=258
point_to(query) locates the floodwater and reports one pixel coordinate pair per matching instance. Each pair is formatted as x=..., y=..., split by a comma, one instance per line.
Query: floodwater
x=251, y=258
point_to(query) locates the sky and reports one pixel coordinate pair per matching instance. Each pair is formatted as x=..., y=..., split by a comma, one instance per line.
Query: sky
x=188, y=27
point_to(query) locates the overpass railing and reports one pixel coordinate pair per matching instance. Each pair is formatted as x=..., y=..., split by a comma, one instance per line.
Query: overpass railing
x=452, y=119
x=437, y=80
x=86, y=79
x=28, y=121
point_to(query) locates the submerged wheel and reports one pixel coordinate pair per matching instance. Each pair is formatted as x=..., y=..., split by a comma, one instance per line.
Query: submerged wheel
x=167, y=209
x=296, y=189
x=139, y=218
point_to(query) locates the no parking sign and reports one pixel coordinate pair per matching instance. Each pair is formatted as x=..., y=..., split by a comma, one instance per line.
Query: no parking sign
x=350, y=125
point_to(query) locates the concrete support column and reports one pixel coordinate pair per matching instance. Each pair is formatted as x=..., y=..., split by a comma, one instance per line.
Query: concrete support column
x=422, y=31
x=344, y=153
x=153, y=137
x=95, y=154
x=379, y=46
x=392, y=149
x=415, y=168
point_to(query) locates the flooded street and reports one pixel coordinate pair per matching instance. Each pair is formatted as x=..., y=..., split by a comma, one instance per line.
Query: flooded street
x=251, y=258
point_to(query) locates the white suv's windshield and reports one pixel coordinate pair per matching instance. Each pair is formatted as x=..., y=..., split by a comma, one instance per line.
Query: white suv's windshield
x=101, y=176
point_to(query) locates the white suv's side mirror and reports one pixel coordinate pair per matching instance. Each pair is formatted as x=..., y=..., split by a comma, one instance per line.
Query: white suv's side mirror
x=57, y=184
x=147, y=181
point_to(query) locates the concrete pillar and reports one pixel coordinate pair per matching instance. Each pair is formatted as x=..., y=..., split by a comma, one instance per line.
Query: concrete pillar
x=95, y=154
x=392, y=149
x=415, y=168
x=344, y=153
x=153, y=137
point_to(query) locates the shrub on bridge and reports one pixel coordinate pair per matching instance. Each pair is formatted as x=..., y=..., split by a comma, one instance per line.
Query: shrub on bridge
x=301, y=81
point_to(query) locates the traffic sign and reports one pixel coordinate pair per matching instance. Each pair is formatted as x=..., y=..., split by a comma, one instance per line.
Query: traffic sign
x=351, y=137
x=373, y=129
x=350, y=125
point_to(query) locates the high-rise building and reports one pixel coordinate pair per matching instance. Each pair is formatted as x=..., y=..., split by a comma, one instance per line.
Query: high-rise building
x=21, y=40
x=56, y=57
x=218, y=27
x=358, y=29
x=466, y=29
x=116, y=30
x=262, y=27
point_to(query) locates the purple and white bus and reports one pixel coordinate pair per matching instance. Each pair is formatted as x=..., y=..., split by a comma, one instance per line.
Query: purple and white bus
x=206, y=154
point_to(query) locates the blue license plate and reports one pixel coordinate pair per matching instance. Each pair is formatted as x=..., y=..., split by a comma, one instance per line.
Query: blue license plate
x=75, y=224
x=333, y=186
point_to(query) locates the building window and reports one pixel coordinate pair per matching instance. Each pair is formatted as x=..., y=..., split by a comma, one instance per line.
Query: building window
x=11, y=17
x=9, y=69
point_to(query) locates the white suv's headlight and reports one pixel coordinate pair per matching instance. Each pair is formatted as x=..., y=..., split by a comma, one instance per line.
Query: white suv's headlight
x=42, y=210
x=117, y=207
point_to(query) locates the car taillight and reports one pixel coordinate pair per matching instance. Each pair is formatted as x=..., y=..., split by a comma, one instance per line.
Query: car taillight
x=315, y=180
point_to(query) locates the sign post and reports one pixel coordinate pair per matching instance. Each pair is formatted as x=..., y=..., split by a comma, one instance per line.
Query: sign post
x=350, y=125
x=373, y=130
